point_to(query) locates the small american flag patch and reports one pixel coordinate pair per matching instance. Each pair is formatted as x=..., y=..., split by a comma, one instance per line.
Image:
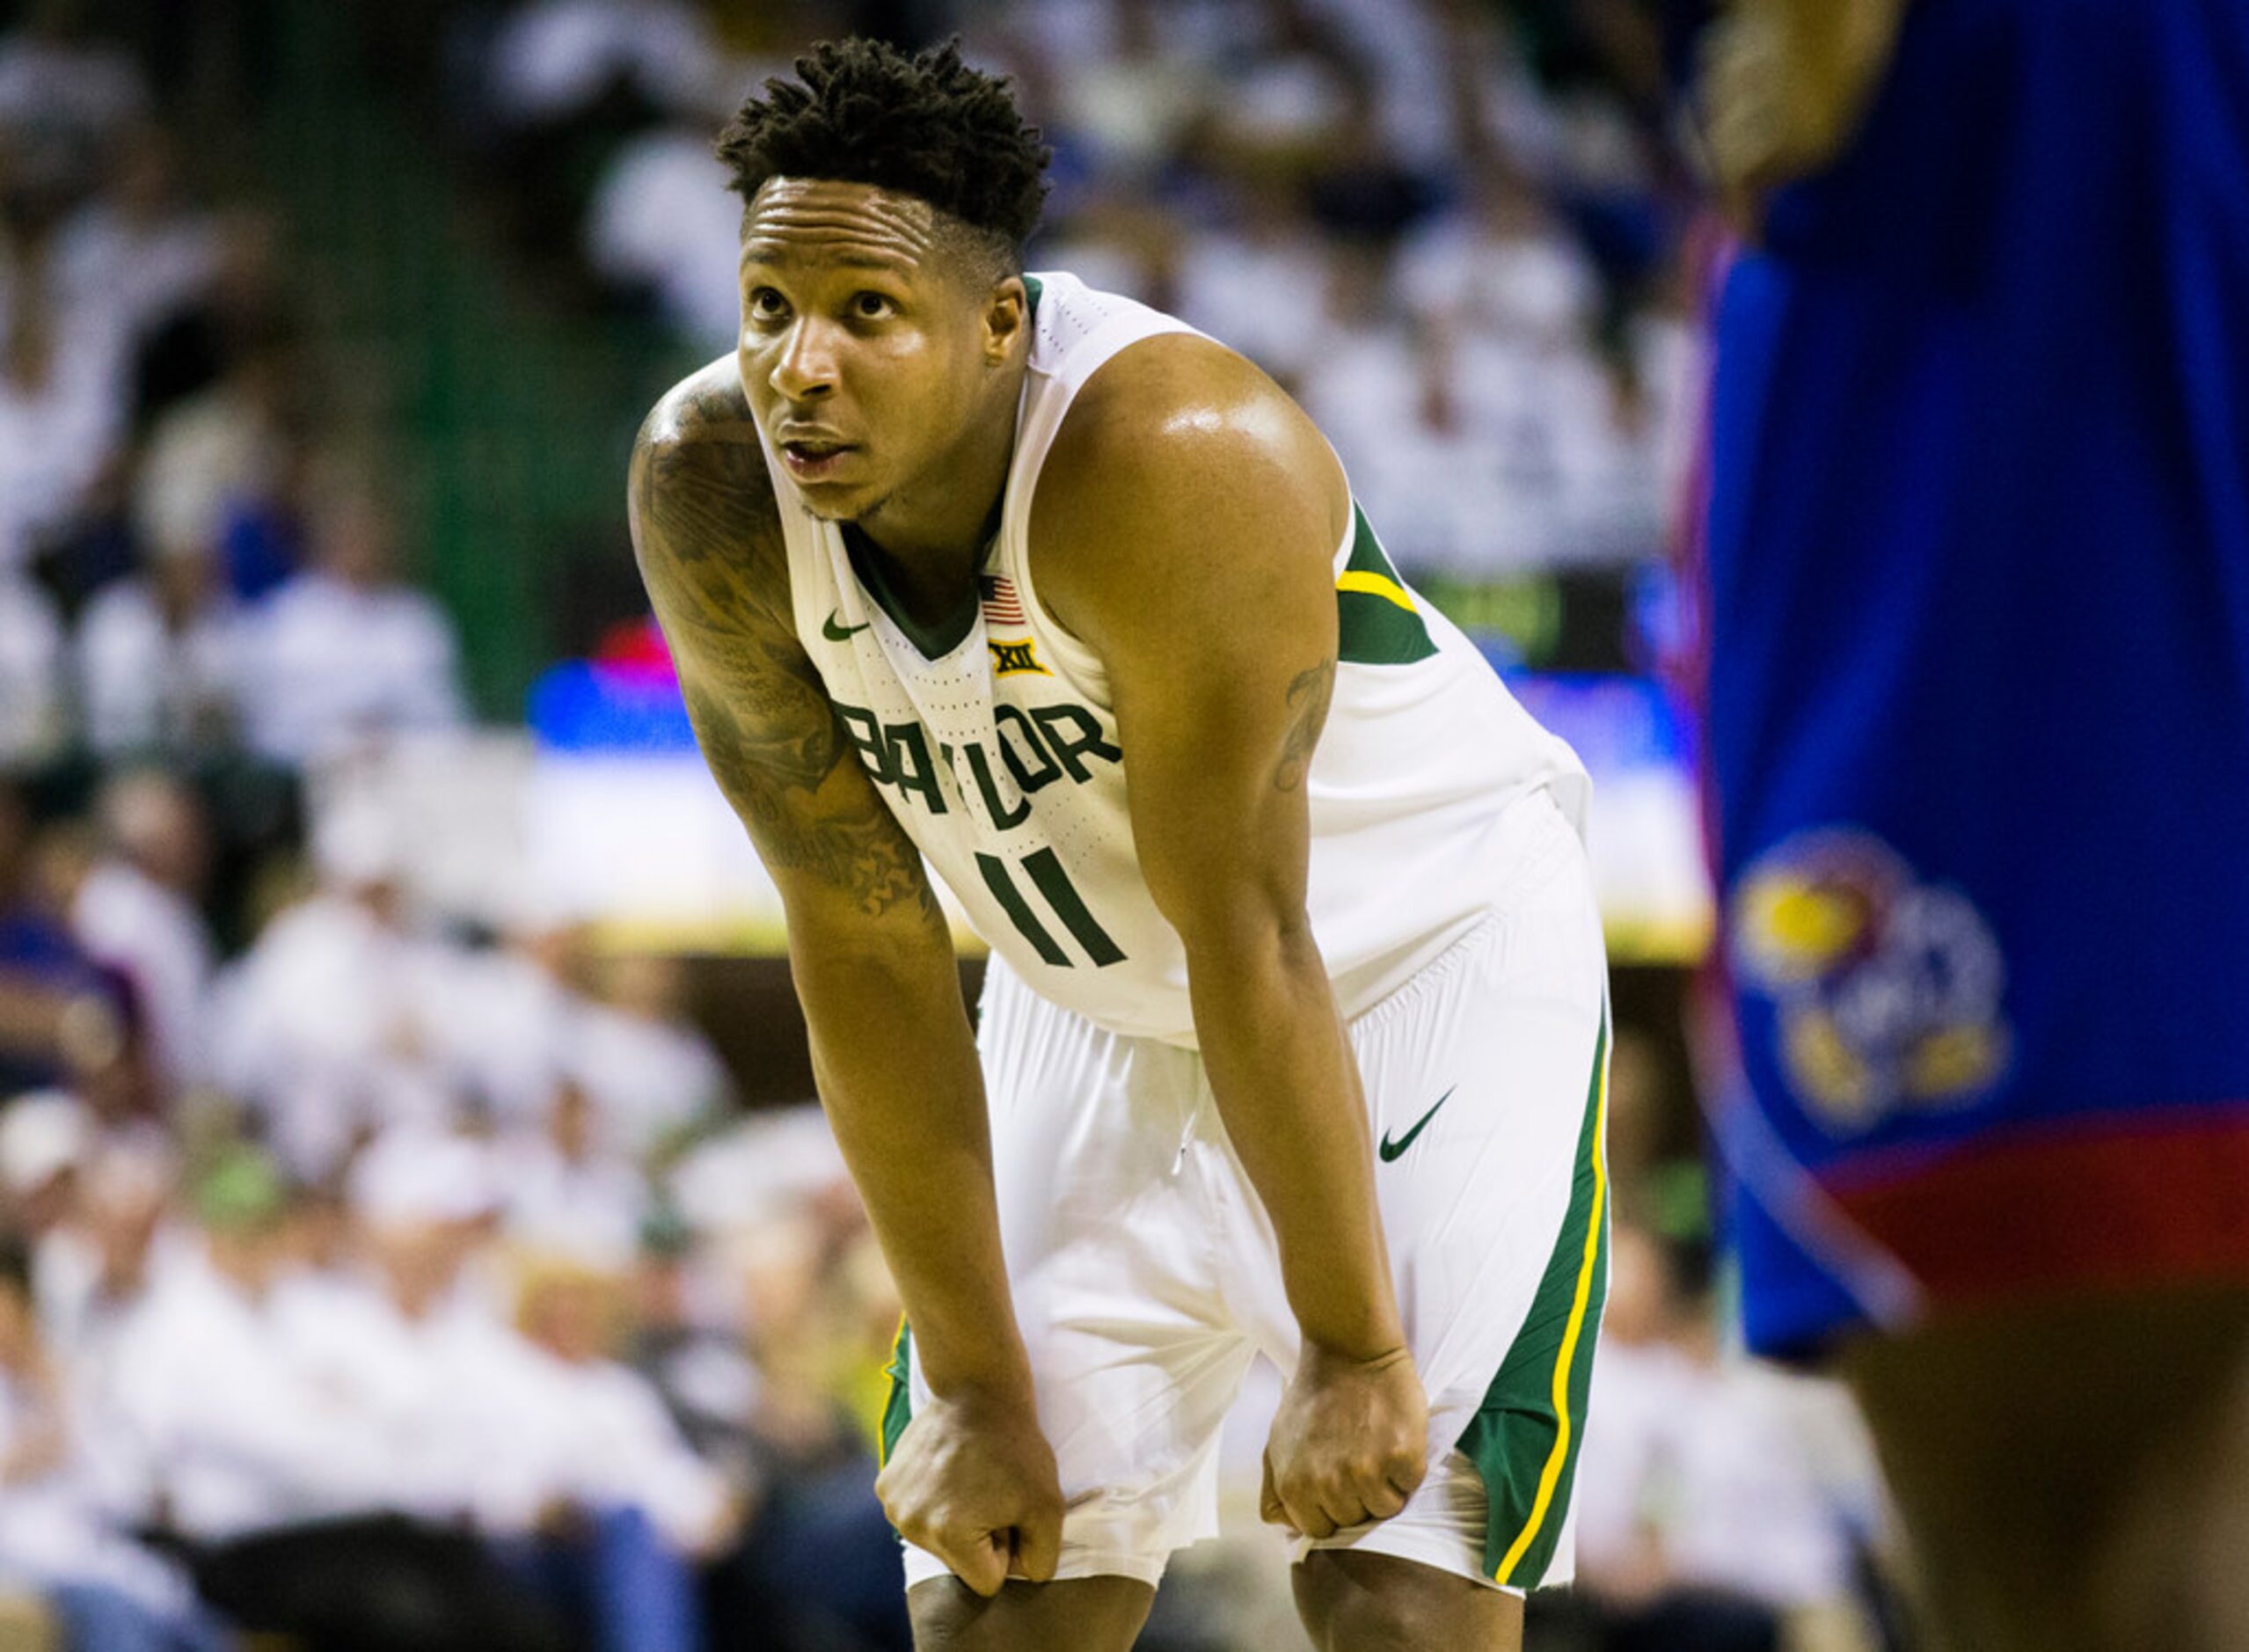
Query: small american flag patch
x=1002, y=606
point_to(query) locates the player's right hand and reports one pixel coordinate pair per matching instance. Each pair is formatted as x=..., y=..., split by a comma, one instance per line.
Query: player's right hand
x=974, y=1482
x=1349, y=1444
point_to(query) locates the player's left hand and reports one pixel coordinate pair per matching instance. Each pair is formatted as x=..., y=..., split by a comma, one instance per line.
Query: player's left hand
x=1350, y=1444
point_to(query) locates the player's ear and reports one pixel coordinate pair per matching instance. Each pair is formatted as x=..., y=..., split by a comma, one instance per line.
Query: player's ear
x=1007, y=311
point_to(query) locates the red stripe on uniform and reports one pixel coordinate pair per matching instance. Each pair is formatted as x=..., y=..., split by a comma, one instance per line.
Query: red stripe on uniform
x=2154, y=1197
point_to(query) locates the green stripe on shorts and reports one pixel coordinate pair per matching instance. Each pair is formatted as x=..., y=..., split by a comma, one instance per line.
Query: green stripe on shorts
x=898, y=1409
x=1524, y=1438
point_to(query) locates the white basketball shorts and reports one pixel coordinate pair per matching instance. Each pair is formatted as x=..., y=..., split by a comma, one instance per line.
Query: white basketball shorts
x=1146, y=1278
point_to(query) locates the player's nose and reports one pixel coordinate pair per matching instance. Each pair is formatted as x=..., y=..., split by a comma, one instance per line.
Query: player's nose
x=805, y=370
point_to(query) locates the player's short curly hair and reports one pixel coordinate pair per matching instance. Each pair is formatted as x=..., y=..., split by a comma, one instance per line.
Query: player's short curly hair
x=926, y=125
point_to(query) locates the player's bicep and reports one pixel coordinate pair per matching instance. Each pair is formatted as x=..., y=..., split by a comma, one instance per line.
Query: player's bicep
x=1208, y=584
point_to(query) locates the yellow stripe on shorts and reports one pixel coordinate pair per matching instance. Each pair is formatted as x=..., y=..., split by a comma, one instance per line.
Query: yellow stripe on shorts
x=1551, y=1473
x=1526, y=1436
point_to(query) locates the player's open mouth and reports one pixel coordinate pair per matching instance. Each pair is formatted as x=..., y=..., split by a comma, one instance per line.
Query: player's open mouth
x=812, y=461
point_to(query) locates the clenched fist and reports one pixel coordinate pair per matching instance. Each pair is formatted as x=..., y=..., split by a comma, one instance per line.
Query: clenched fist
x=974, y=1482
x=1350, y=1443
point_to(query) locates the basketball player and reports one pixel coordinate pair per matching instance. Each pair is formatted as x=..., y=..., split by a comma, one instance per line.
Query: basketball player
x=1293, y=1036
x=1978, y=544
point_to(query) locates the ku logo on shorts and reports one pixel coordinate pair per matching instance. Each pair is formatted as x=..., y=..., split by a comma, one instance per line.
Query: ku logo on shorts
x=1886, y=990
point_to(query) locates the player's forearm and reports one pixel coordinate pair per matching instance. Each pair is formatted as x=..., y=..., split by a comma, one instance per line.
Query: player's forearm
x=1288, y=1089
x=896, y=1066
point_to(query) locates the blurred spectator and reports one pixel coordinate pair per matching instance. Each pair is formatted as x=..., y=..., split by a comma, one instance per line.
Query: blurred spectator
x=823, y=1320
x=61, y=1016
x=224, y=386
x=1121, y=85
x=111, y=1594
x=253, y=1442
x=1259, y=281
x=407, y=1338
x=686, y=1339
x=553, y=60
x=765, y=1168
x=1361, y=190
x=138, y=910
x=325, y=1028
x=552, y=1455
x=565, y=85
x=569, y=1193
x=91, y=1270
x=503, y=1015
x=1705, y=1521
x=1293, y=79
x=265, y=1472
x=138, y=250
x=1442, y=436
x=1485, y=435
x=239, y=322
x=650, y=1072
x=31, y=675
x=63, y=399
x=159, y=654
x=662, y=223
x=1117, y=248
x=45, y=1138
x=818, y=1316
x=346, y=652
x=67, y=95
x=1409, y=49
x=1502, y=261
x=625, y=1450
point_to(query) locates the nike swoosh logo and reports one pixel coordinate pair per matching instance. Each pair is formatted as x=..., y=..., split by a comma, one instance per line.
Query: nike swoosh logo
x=836, y=632
x=1390, y=1150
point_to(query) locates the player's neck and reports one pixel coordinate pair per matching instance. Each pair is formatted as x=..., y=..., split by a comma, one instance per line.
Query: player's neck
x=933, y=533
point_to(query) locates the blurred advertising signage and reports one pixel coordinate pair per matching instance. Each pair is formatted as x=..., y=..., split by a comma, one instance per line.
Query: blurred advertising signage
x=625, y=827
x=1649, y=868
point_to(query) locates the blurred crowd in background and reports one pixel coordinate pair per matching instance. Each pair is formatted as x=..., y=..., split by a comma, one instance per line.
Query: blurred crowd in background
x=386, y=1280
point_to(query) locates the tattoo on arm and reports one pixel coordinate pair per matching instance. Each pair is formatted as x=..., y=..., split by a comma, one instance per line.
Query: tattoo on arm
x=774, y=775
x=707, y=535
x=1309, y=693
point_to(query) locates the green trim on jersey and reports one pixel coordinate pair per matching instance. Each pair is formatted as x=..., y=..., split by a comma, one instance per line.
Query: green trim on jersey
x=936, y=641
x=898, y=1409
x=1378, y=625
x=1524, y=1438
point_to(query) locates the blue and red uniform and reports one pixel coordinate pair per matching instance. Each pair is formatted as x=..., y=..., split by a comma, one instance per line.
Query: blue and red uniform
x=1977, y=542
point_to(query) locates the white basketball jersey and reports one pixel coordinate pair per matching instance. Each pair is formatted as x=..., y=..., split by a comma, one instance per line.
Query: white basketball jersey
x=995, y=744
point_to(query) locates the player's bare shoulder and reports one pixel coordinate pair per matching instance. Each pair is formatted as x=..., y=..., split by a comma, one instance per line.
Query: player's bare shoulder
x=1175, y=442
x=1177, y=405
x=703, y=508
